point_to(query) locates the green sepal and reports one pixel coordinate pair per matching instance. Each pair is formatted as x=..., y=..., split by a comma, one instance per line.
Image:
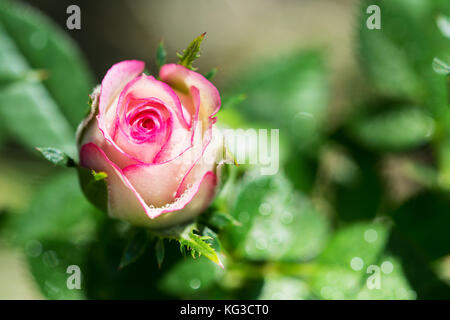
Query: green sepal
x=57, y=157
x=135, y=247
x=221, y=220
x=159, y=251
x=211, y=73
x=94, y=187
x=191, y=52
x=161, y=54
x=231, y=101
x=190, y=240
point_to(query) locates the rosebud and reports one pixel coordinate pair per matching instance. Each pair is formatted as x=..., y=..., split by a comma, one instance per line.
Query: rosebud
x=156, y=141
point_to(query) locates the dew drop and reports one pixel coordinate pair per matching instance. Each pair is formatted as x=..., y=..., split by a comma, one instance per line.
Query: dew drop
x=387, y=267
x=33, y=248
x=371, y=235
x=287, y=217
x=195, y=283
x=357, y=263
x=265, y=209
x=50, y=258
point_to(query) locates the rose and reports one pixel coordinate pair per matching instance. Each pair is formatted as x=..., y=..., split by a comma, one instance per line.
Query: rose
x=156, y=142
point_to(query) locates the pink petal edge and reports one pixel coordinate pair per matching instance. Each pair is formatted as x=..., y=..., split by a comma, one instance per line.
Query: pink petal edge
x=90, y=152
x=173, y=74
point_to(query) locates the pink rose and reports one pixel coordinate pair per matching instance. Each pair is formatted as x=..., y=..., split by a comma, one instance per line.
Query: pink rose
x=156, y=141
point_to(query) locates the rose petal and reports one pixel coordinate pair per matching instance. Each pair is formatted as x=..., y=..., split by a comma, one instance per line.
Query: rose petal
x=124, y=202
x=182, y=79
x=158, y=182
x=203, y=197
x=115, y=80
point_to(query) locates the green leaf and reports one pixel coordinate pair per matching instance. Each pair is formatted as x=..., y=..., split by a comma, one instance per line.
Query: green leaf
x=189, y=278
x=393, y=284
x=49, y=268
x=44, y=46
x=293, y=85
x=135, y=248
x=54, y=234
x=278, y=224
x=191, y=52
x=59, y=211
x=410, y=37
x=161, y=55
x=31, y=116
x=343, y=263
x=187, y=237
x=57, y=157
x=159, y=251
x=94, y=187
x=284, y=288
x=396, y=129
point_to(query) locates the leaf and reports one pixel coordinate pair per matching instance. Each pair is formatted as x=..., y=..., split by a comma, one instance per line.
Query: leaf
x=186, y=236
x=159, y=251
x=35, y=120
x=409, y=36
x=190, y=278
x=396, y=129
x=161, y=55
x=56, y=157
x=289, y=92
x=45, y=46
x=393, y=283
x=278, y=224
x=54, y=233
x=59, y=211
x=416, y=265
x=343, y=263
x=94, y=187
x=191, y=52
x=135, y=248
x=284, y=288
x=198, y=245
x=28, y=112
x=49, y=268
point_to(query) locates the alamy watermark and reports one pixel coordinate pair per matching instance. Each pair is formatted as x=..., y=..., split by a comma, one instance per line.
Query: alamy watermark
x=374, y=20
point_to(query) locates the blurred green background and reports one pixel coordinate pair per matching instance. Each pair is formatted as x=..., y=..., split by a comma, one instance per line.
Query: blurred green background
x=362, y=198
